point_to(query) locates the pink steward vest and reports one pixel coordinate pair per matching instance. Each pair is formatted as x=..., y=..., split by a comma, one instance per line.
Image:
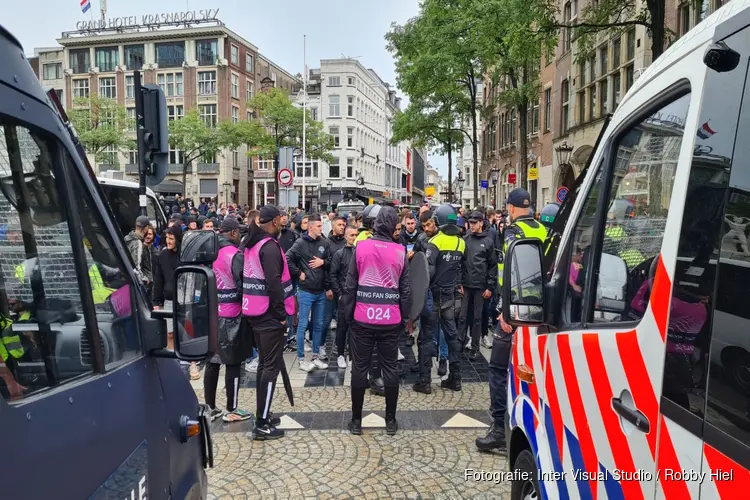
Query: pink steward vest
x=255, y=299
x=380, y=264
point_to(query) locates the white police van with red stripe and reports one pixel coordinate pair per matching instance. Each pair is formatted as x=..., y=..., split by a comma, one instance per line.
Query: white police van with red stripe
x=631, y=326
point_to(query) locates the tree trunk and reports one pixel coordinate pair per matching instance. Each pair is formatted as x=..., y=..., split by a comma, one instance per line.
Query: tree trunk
x=523, y=110
x=475, y=157
x=657, y=9
x=185, y=166
x=450, y=173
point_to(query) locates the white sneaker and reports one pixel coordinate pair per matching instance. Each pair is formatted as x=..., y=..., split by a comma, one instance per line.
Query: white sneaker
x=308, y=346
x=487, y=341
x=252, y=366
x=400, y=356
x=318, y=363
x=341, y=361
x=334, y=324
x=322, y=353
x=306, y=366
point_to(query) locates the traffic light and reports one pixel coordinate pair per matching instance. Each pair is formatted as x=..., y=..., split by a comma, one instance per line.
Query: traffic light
x=153, y=133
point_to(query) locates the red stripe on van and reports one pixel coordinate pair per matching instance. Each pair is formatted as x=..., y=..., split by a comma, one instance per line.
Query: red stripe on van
x=660, y=293
x=550, y=392
x=588, y=450
x=668, y=460
x=731, y=479
x=618, y=442
x=528, y=360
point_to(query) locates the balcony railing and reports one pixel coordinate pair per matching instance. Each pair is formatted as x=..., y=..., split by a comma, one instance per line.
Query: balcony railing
x=208, y=168
x=131, y=168
x=105, y=167
x=176, y=168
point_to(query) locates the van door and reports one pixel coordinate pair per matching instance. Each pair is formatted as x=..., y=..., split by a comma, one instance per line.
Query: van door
x=603, y=366
x=81, y=406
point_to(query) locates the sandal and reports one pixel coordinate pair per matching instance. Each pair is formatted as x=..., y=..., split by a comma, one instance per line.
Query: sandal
x=195, y=373
x=237, y=416
x=215, y=413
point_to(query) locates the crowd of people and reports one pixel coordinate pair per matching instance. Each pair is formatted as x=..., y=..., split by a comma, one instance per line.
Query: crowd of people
x=283, y=285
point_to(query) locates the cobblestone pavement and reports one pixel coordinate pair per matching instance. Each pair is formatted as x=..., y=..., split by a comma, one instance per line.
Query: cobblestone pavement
x=318, y=458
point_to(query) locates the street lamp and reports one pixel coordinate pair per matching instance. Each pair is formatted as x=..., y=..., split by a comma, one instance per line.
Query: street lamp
x=329, y=184
x=460, y=185
x=563, y=153
x=495, y=176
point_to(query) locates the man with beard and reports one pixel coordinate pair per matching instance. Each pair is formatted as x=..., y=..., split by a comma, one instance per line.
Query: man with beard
x=234, y=344
x=287, y=236
x=267, y=300
x=378, y=299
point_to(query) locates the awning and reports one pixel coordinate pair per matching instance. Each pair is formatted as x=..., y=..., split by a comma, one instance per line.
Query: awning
x=168, y=187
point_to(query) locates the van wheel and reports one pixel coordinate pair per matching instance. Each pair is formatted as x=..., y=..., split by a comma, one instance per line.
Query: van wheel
x=738, y=365
x=525, y=484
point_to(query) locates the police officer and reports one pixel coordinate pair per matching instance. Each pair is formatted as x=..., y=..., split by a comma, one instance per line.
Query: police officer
x=378, y=300
x=522, y=225
x=445, y=252
x=267, y=299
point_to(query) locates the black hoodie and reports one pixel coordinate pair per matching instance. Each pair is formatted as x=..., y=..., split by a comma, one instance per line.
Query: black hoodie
x=336, y=243
x=385, y=226
x=299, y=256
x=287, y=237
x=271, y=261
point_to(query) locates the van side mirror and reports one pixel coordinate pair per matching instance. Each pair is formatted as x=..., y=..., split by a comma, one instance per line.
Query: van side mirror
x=523, y=283
x=199, y=247
x=195, y=313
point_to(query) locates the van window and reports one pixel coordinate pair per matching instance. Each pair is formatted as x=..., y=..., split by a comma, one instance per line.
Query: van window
x=123, y=201
x=645, y=162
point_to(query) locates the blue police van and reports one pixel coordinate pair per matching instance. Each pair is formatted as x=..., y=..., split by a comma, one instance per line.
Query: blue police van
x=92, y=404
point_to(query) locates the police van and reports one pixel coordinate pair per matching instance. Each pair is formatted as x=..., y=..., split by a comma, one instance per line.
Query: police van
x=122, y=197
x=92, y=404
x=629, y=373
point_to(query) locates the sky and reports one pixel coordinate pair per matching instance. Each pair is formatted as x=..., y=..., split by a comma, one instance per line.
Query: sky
x=334, y=28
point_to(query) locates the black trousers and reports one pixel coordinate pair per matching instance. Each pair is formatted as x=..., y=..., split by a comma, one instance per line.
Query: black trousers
x=342, y=330
x=270, y=346
x=231, y=381
x=472, y=306
x=498, y=376
x=363, y=342
x=443, y=313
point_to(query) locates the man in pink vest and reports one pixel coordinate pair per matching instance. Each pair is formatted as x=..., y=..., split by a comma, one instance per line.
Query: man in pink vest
x=267, y=300
x=378, y=299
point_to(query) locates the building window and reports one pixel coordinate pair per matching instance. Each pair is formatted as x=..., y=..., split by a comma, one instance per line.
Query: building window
x=314, y=114
x=582, y=73
x=206, y=82
x=565, y=118
x=52, y=71
x=350, y=168
x=130, y=87
x=616, y=89
x=582, y=106
x=235, y=86
x=80, y=61
x=207, y=113
x=616, y=49
x=334, y=81
x=631, y=45
x=334, y=132
x=350, y=106
x=171, y=83
x=207, y=52
x=235, y=55
x=170, y=54
x=134, y=57
x=249, y=91
x=350, y=80
x=350, y=137
x=81, y=87
x=684, y=18
x=249, y=115
x=249, y=63
x=592, y=69
x=176, y=157
x=175, y=112
x=547, y=109
x=534, y=115
x=107, y=59
x=334, y=171
x=131, y=119
x=603, y=104
x=628, y=77
x=108, y=88
x=333, y=106
x=603, y=60
x=133, y=157
x=513, y=126
x=235, y=114
x=592, y=102
x=567, y=32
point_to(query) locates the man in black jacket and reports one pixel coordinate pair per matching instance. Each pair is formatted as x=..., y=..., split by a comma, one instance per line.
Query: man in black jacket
x=309, y=262
x=268, y=328
x=478, y=276
x=287, y=237
x=412, y=237
x=336, y=241
x=339, y=267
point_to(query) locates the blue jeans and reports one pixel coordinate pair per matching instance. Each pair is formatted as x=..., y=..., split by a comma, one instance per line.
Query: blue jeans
x=439, y=335
x=315, y=303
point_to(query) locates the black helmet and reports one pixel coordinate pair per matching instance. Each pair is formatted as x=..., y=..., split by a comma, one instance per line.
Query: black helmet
x=445, y=214
x=369, y=214
x=548, y=214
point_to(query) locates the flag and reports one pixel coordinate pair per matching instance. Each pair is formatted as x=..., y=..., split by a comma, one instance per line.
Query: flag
x=705, y=131
x=85, y=5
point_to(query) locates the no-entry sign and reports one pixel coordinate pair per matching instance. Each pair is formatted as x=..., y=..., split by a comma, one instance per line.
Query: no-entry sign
x=285, y=177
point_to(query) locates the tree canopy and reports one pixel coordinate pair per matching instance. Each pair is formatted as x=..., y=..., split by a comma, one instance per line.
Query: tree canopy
x=101, y=124
x=195, y=139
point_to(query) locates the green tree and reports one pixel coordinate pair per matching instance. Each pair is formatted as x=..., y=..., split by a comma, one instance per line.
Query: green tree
x=195, y=139
x=437, y=61
x=282, y=121
x=101, y=124
x=431, y=126
x=511, y=46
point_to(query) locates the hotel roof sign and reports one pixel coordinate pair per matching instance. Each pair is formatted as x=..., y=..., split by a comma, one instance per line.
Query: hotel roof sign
x=147, y=21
